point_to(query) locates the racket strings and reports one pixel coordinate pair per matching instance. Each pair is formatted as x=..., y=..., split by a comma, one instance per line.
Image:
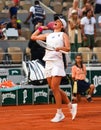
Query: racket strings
x=45, y=45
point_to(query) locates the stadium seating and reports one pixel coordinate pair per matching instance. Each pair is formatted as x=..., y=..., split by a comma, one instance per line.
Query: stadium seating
x=1, y=5
x=1, y=55
x=25, y=5
x=15, y=54
x=8, y=3
x=46, y=2
x=98, y=41
x=26, y=33
x=86, y=54
x=27, y=55
x=97, y=52
x=58, y=8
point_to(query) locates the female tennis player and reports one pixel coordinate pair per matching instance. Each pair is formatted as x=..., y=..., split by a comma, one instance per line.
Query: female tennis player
x=79, y=75
x=54, y=68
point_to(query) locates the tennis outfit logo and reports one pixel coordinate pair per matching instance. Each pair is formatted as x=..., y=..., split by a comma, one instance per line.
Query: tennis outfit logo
x=97, y=82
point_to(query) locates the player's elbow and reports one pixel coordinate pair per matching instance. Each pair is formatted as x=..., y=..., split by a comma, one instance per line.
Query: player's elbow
x=68, y=49
x=33, y=37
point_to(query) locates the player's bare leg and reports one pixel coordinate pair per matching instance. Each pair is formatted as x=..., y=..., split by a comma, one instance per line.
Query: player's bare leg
x=54, y=83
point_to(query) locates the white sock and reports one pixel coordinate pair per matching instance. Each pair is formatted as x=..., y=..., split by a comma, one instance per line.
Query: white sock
x=88, y=96
x=59, y=111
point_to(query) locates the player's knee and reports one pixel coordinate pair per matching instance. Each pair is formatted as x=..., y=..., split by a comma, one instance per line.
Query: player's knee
x=54, y=88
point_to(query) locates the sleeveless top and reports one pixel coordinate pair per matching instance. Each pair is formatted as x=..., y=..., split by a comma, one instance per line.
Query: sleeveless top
x=54, y=39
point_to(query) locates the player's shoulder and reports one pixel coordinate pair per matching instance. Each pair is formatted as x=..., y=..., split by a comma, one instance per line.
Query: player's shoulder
x=65, y=34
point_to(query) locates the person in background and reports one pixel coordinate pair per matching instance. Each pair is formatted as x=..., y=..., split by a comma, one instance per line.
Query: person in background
x=37, y=13
x=2, y=29
x=37, y=52
x=13, y=9
x=75, y=7
x=74, y=31
x=85, y=1
x=99, y=21
x=97, y=6
x=88, y=24
x=91, y=1
x=86, y=7
x=54, y=66
x=14, y=24
x=79, y=75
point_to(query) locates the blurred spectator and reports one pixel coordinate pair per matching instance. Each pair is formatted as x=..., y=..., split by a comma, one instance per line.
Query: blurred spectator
x=88, y=29
x=16, y=1
x=74, y=31
x=13, y=9
x=75, y=7
x=37, y=13
x=97, y=6
x=13, y=24
x=99, y=21
x=37, y=52
x=90, y=1
x=2, y=27
x=85, y=1
x=86, y=7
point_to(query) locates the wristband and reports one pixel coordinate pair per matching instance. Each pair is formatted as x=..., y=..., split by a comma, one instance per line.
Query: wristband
x=40, y=29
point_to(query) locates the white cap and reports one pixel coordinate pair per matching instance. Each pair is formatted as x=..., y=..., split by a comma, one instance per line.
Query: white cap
x=63, y=22
x=61, y=19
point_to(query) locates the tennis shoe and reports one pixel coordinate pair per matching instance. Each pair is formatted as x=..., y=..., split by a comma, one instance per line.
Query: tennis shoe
x=58, y=117
x=89, y=99
x=74, y=111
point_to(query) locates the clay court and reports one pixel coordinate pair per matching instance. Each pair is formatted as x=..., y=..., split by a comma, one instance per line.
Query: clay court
x=37, y=117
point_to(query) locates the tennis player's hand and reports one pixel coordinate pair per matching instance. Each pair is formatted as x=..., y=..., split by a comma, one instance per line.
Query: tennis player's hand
x=58, y=48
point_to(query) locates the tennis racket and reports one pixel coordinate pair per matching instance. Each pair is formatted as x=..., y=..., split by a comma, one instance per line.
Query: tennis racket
x=48, y=47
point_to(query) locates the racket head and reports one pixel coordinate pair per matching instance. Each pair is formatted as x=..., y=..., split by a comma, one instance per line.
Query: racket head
x=45, y=45
x=48, y=47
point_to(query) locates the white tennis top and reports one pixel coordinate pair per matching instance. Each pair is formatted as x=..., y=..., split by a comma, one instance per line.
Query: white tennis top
x=54, y=39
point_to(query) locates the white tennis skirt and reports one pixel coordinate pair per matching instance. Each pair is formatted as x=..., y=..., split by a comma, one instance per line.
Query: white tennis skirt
x=54, y=68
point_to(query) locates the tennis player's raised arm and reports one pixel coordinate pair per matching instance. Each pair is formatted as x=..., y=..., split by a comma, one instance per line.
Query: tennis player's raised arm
x=37, y=36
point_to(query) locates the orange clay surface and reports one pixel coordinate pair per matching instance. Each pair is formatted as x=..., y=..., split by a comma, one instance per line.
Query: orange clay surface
x=37, y=117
